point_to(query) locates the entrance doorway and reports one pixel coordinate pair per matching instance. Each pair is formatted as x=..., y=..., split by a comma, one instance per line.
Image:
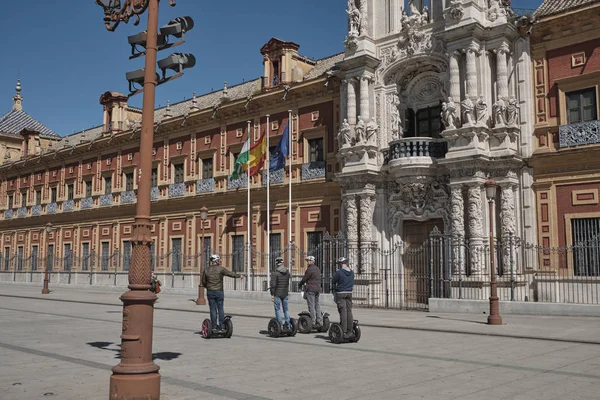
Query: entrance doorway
x=416, y=260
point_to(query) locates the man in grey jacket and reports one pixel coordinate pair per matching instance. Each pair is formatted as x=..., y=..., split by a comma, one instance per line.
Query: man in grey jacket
x=312, y=279
x=212, y=280
x=280, y=282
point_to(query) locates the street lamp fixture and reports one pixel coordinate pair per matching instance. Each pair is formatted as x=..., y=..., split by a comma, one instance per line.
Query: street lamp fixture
x=201, y=300
x=47, y=229
x=494, y=317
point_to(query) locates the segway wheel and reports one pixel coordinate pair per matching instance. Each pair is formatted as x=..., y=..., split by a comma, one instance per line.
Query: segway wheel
x=207, y=329
x=304, y=324
x=274, y=328
x=326, y=324
x=294, y=325
x=356, y=333
x=335, y=334
x=228, y=328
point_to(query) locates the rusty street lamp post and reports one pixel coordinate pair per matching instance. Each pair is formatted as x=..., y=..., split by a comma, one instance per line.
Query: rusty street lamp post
x=494, y=318
x=201, y=300
x=136, y=376
x=47, y=231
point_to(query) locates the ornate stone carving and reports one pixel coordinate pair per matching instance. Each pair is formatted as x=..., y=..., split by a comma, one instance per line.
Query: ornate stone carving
x=499, y=110
x=344, y=135
x=349, y=203
x=455, y=11
x=367, y=206
x=421, y=198
x=395, y=120
x=507, y=221
x=457, y=226
x=468, y=111
x=357, y=23
x=359, y=130
x=475, y=212
x=371, y=132
x=512, y=110
x=448, y=114
x=496, y=10
x=482, y=112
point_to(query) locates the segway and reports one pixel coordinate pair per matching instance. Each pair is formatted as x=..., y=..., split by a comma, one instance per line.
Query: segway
x=275, y=328
x=305, y=323
x=209, y=332
x=336, y=334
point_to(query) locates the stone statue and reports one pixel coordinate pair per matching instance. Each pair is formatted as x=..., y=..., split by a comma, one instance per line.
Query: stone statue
x=360, y=130
x=414, y=11
x=371, y=131
x=344, y=138
x=444, y=116
x=425, y=15
x=512, y=110
x=482, y=112
x=451, y=113
x=354, y=18
x=468, y=111
x=395, y=117
x=499, y=109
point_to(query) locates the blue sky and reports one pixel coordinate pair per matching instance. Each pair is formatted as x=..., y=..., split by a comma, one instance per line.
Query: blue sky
x=67, y=59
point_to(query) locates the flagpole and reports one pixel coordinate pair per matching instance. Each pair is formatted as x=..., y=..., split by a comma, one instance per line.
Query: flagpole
x=249, y=219
x=268, y=201
x=290, y=150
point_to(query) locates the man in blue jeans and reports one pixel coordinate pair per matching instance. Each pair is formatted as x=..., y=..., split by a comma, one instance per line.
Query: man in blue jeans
x=212, y=280
x=343, y=283
x=312, y=279
x=280, y=282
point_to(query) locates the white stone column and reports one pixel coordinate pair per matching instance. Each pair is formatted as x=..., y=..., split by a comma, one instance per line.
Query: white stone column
x=351, y=107
x=502, y=72
x=364, y=97
x=454, y=77
x=507, y=223
x=475, y=215
x=471, y=71
x=344, y=101
x=457, y=210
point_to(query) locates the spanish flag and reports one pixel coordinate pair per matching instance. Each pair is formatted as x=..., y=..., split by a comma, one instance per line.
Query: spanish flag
x=251, y=157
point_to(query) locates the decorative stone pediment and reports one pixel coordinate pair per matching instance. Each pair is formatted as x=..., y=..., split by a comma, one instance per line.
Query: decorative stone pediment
x=418, y=198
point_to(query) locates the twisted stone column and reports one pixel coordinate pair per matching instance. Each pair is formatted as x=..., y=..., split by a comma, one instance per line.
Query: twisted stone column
x=454, y=77
x=502, y=72
x=344, y=100
x=475, y=215
x=351, y=107
x=508, y=223
x=364, y=97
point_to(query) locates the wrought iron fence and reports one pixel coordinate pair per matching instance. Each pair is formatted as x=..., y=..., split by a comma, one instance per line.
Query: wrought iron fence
x=402, y=276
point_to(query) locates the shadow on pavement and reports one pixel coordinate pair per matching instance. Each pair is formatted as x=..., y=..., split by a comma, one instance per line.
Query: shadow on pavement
x=164, y=355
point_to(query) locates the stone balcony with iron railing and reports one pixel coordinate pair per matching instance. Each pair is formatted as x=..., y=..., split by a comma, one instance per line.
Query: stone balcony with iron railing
x=51, y=208
x=205, y=185
x=241, y=182
x=277, y=176
x=22, y=212
x=177, y=189
x=86, y=203
x=579, y=134
x=128, y=197
x=68, y=205
x=8, y=214
x=106, y=200
x=417, y=150
x=314, y=170
x=154, y=193
x=36, y=210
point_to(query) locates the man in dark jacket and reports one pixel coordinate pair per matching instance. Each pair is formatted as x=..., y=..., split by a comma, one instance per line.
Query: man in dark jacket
x=312, y=279
x=212, y=280
x=280, y=282
x=343, y=282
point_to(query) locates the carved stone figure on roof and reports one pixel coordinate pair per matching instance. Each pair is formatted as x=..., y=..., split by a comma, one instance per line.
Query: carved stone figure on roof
x=395, y=116
x=371, y=132
x=499, y=109
x=512, y=110
x=468, y=110
x=360, y=130
x=482, y=112
x=354, y=18
x=344, y=136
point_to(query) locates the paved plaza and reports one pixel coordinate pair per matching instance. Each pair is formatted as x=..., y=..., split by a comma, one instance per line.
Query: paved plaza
x=63, y=345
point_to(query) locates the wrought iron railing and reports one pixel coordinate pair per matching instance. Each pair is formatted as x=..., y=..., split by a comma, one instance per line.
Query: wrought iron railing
x=417, y=147
x=205, y=185
x=106, y=200
x=277, y=176
x=86, y=202
x=22, y=212
x=8, y=214
x=128, y=197
x=68, y=205
x=579, y=134
x=154, y=193
x=241, y=182
x=314, y=170
x=177, y=189
x=36, y=209
x=51, y=208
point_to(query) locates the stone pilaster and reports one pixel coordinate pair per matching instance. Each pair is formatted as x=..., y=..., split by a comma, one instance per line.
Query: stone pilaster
x=507, y=223
x=475, y=215
x=454, y=77
x=351, y=108
x=351, y=217
x=471, y=71
x=364, y=97
x=457, y=210
x=502, y=72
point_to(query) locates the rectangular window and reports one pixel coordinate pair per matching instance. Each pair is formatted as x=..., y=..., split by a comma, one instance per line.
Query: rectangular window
x=107, y=185
x=275, y=248
x=586, y=254
x=126, y=255
x=207, y=168
x=237, y=257
x=315, y=150
x=34, y=257
x=428, y=122
x=24, y=198
x=129, y=181
x=10, y=201
x=88, y=188
x=85, y=256
x=105, y=256
x=581, y=106
x=68, y=257
x=154, y=177
x=6, y=258
x=70, y=191
x=315, y=246
x=20, y=258
x=53, y=195
x=50, y=257
x=176, y=255
x=38, y=197
x=179, y=173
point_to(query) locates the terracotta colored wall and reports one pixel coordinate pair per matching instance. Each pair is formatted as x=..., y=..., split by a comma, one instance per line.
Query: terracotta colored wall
x=565, y=206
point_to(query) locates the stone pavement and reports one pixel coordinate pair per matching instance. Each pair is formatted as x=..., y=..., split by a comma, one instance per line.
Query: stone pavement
x=63, y=347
